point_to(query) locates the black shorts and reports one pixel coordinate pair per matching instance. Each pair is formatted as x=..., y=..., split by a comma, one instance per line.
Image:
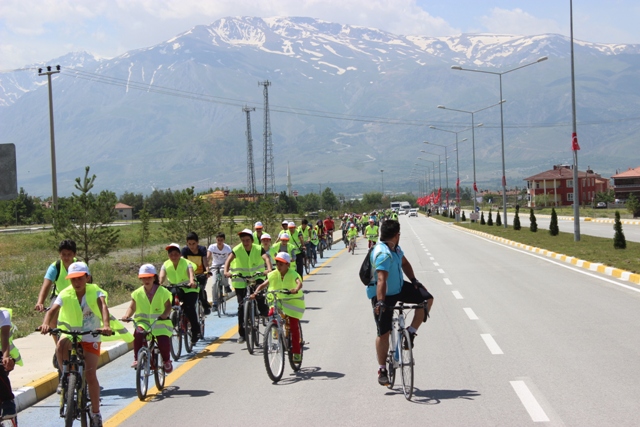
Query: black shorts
x=408, y=294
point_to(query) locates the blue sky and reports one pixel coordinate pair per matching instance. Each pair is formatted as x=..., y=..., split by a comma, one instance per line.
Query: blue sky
x=34, y=31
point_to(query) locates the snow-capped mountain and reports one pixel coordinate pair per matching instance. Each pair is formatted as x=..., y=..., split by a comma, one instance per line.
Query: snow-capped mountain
x=345, y=101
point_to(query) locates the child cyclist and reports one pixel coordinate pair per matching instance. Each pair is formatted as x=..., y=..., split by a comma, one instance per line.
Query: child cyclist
x=352, y=234
x=10, y=356
x=83, y=307
x=148, y=303
x=293, y=306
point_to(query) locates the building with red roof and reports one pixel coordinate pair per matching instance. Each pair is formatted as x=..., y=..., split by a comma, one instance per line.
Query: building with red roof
x=555, y=187
x=626, y=183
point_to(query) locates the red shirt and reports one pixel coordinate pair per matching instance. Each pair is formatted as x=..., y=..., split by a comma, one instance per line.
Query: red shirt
x=328, y=224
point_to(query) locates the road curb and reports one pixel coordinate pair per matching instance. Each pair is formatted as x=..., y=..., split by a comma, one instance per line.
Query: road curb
x=588, y=265
x=41, y=388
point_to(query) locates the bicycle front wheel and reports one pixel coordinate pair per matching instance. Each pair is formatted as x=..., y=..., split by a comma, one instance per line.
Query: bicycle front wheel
x=201, y=318
x=296, y=365
x=158, y=373
x=391, y=363
x=70, y=413
x=217, y=296
x=222, y=302
x=176, y=337
x=273, y=352
x=406, y=364
x=248, y=324
x=142, y=373
x=83, y=405
x=186, y=334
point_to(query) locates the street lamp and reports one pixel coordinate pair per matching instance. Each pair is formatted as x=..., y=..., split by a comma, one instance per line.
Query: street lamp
x=54, y=180
x=499, y=74
x=457, y=163
x=439, y=163
x=382, y=175
x=473, y=142
x=433, y=170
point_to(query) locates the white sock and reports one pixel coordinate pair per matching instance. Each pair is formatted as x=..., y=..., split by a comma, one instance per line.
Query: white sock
x=411, y=330
x=383, y=367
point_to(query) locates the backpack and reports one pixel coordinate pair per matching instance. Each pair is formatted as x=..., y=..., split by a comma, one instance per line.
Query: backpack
x=365, y=269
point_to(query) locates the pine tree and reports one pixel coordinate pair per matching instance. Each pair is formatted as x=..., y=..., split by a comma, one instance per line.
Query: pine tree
x=490, y=220
x=463, y=217
x=482, y=221
x=619, y=241
x=553, y=226
x=498, y=219
x=533, y=226
x=516, y=220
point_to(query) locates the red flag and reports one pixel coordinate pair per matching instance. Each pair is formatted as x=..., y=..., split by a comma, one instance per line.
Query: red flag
x=574, y=142
x=475, y=187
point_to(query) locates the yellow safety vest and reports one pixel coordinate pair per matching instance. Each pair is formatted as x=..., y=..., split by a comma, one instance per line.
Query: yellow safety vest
x=292, y=305
x=147, y=312
x=291, y=250
x=180, y=274
x=353, y=232
x=256, y=239
x=13, y=350
x=246, y=264
x=314, y=235
x=61, y=283
x=70, y=316
x=306, y=233
x=371, y=233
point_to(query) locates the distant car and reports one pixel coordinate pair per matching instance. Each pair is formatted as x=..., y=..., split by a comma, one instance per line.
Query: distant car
x=402, y=212
x=413, y=212
x=601, y=205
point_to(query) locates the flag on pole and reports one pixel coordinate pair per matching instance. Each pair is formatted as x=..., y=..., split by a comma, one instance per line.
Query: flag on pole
x=475, y=187
x=574, y=142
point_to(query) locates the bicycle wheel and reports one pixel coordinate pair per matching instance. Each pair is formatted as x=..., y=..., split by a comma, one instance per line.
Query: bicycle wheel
x=296, y=365
x=313, y=261
x=217, y=296
x=70, y=412
x=83, y=405
x=158, y=373
x=186, y=334
x=330, y=241
x=321, y=249
x=249, y=324
x=142, y=373
x=176, y=337
x=201, y=318
x=306, y=265
x=391, y=366
x=273, y=352
x=406, y=364
x=222, y=301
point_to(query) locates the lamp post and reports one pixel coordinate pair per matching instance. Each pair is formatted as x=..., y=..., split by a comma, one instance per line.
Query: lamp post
x=457, y=163
x=439, y=168
x=382, y=175
x=446, y=163
x=473, y=142
x=54, y=180
x=574, y=140
x=499, y=74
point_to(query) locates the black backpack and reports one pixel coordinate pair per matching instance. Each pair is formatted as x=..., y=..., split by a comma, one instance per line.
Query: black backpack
x=365, y=269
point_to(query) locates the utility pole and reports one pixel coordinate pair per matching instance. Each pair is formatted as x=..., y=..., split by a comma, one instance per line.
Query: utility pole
x=268, y=168
x=251, y=176
x=54, y=180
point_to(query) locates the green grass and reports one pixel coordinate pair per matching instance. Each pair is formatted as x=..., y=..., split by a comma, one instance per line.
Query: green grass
x=589, y=248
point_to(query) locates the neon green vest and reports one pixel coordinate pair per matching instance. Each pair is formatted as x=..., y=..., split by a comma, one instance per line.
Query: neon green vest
x=292, y=305
x=256, y=239
x=314, y=236
x=70, y=316
x=306, y=234
x=62, y=283
x=291, y=250
x=295, y=239
x=147, y=312
x=246, y=264
x=180, y=274
x=353, y=232
x=372, y=233
x=13, y=350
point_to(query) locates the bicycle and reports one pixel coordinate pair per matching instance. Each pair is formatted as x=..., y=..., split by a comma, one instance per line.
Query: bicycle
x=149, y=359
x=218, y=294
x=329, y=239
x=202, y=317
x=352, y=246
x=251, y=312
x=400, y=350
x=74, y=396
x=181, y=326
x=322, y=245
x=277, y=338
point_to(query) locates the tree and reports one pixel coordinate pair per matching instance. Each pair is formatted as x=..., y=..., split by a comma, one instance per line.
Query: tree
x=633, y=205
x=490, y=219
x=607, y=197
x=329, y=200
x=182, y=219
x=136, y=201
x=516, y=220
x=533, y=225
x=498, y=219
x=85, y=218
x=463, y=217
x=553, y=225
x=619, y=241
x=482, y=221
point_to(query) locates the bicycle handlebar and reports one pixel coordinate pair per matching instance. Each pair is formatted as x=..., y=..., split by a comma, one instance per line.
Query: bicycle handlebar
x=178, y=285
x=55, y=331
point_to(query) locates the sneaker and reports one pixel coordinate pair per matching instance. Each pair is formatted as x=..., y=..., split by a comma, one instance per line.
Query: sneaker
x=96, y=420
x=227, y=289
x=412, y=336
x=168, y=367
x=241, y=340
x=207, y=311
x=8, y=409
x=134, y=364
x=297, y=358
x=383, y=377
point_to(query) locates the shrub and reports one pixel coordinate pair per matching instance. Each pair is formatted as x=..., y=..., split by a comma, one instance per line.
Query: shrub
x=490, y=220
x=533, y=226
x=553, y=226
x=498, y=219
x=619, y=241
x=516, y=220
x=463, y=217
x=482, y=221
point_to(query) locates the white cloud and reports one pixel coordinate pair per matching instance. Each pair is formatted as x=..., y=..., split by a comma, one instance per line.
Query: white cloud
x=519, y=22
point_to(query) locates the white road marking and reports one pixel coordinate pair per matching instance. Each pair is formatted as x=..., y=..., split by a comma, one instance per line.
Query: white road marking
x=447, y=281
x=441, y=271
x=457, y=294
x=431, y=258
x=436, y=264
x=529, y=401
x=470, y=313
x=494, y=348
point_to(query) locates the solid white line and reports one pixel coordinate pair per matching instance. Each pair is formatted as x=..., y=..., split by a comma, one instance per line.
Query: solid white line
x=441, y=271
x=494, y=348
x=447, y=281
x=457, y=294
x=530, y=403
x=470, y=313
x=436, y=264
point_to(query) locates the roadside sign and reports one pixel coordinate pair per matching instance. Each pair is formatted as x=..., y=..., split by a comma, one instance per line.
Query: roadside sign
x=8, y=172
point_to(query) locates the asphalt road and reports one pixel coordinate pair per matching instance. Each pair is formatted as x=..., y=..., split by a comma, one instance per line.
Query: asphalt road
x=514, y=339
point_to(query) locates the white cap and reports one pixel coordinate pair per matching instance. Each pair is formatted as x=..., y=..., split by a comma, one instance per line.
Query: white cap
x=147, y=270
x=258, y=225
x=284, y=236
x=246, y=231
x=353, y=225
x=172, y=245
x=77, y=269
x=285, y=222
x=292, y=224
x=284, y=257
x=265, y=236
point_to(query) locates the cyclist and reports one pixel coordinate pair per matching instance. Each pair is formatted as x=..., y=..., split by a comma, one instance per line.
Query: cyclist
x=10, y=356
x=54, y=279
x=352, y=234
x=198, y=256
x=148, y=303
x=176, y=270
x=307, y=239
x=216, y=256
x=293, y=306
x=388, y=286
x=257, y=235
x=297, y=239
x=372, y=232
x=285, y=229
x=83, y=306
x=285, y=246
x=246, y=259
x=329, y=226
x=265, y=242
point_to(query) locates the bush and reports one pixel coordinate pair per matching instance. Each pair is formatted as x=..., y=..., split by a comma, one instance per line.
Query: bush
x=498, y=219
x=482, y=221
x=516, y=220
x=490, y=220
x=553, y=226
x=463, y=217
x=532, y=219
x=619, y=241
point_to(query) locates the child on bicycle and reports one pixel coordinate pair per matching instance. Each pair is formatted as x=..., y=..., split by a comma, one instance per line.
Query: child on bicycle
x=293, y=306
x=148, y=303
x=83, y=307
x=352, y=234
x=10, y=356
